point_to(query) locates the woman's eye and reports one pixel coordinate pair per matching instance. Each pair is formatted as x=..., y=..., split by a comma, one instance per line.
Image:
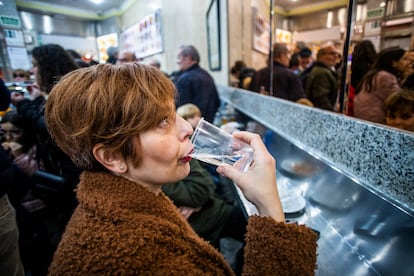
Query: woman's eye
x=165, y=122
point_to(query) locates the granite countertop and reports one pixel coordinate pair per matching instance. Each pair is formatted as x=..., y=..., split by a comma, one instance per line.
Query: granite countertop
x=375, y=156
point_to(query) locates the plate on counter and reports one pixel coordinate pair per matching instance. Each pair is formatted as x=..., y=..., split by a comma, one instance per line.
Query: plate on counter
x=290, y=197
x=293, y=203
x=299, y=168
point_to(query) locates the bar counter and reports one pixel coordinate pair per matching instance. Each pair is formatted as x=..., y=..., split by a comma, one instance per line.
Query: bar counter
x=356, y=180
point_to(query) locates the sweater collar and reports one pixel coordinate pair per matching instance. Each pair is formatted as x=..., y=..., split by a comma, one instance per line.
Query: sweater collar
x=106, y=192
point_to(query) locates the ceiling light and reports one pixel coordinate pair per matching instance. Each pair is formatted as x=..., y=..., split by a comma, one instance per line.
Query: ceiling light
x=47, y=24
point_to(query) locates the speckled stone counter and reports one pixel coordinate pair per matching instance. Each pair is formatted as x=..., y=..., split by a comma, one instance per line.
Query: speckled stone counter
x=375, y=156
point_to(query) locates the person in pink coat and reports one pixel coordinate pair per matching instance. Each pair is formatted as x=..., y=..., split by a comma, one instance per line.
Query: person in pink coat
x=379, y=83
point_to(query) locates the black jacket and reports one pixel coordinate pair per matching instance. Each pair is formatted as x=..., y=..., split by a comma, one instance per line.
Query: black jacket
x=286, y=84
x=196, y=86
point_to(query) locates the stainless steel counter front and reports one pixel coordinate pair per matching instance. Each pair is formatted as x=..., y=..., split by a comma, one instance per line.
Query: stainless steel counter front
x=360, y=233
x=362, y=230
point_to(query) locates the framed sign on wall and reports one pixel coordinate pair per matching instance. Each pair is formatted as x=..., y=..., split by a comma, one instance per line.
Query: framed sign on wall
x=213, y=35
x=145, y=38
x=261, y=32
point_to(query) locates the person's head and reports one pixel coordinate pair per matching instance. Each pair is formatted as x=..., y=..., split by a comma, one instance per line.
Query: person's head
x=299, y=45
x=363, y=57
x=389, y=60
x=50, y=63
x=126, y=57
x=305, y=57
x=12, y=127
x=121, y=119
x=365, y=50
x=191, y=113
x=386, y=60
x=237, y=67
x=328, y=55
x=281, y=53
x=155, y=63
x=187, y=56
x=405, y=64
x=399, y=110
x=21, y=75
x=112, y=53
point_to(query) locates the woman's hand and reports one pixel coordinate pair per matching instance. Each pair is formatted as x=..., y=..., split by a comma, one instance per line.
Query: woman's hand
x=14, y=148
x=258, y=183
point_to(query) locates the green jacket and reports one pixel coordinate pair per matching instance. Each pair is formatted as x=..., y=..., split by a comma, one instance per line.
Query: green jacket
x=198, y=190
x=321, y=86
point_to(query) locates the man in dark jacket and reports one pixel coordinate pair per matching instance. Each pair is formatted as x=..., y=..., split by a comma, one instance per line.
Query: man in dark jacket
x=195, y=85
x=286, y=84
x=321, y=85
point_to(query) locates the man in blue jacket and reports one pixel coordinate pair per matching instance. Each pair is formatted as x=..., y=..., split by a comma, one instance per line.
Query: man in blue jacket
x=195, y=85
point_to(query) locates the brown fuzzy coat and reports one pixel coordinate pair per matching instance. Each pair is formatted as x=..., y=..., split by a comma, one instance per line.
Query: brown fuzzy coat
x=120, y=228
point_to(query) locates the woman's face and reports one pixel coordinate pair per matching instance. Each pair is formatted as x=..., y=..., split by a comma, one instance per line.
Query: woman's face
x=404, y=63
x=12, y=133
x=164, y=152
x=35, y=70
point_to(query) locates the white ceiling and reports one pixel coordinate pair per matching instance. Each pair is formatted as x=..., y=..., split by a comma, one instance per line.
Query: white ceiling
x=87, y=8
x=86, y=5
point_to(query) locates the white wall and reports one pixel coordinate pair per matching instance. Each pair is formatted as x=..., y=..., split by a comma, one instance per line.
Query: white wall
x=80, y=44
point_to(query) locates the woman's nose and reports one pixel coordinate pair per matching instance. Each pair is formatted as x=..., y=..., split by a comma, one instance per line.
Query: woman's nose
x=184, y=126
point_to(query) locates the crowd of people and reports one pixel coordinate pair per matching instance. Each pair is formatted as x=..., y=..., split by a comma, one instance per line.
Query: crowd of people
x=88, y=187
x=314, y=80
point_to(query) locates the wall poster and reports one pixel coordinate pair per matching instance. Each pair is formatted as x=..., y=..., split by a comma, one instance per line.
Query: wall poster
x=145, y=37
x=283, y=36
x=261, y=32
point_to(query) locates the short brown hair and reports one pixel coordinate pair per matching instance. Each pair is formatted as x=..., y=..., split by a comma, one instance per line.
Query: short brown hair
x=107, y=104
x=279, y=49
x=401, y=101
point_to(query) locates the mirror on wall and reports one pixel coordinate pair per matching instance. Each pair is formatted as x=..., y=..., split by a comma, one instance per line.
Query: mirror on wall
x=345, y=24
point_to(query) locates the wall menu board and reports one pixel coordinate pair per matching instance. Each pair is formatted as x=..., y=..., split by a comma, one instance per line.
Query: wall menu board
x=145, y=37
x=261, y=28
x=19, y=58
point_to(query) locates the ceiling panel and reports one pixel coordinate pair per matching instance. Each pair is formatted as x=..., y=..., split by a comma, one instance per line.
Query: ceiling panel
x=87, y=8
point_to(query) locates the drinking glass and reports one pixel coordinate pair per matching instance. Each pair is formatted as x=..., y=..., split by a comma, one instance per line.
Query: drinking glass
x=217, y=147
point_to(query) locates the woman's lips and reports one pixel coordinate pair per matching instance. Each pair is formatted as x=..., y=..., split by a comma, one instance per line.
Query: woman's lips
x=187, y=158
